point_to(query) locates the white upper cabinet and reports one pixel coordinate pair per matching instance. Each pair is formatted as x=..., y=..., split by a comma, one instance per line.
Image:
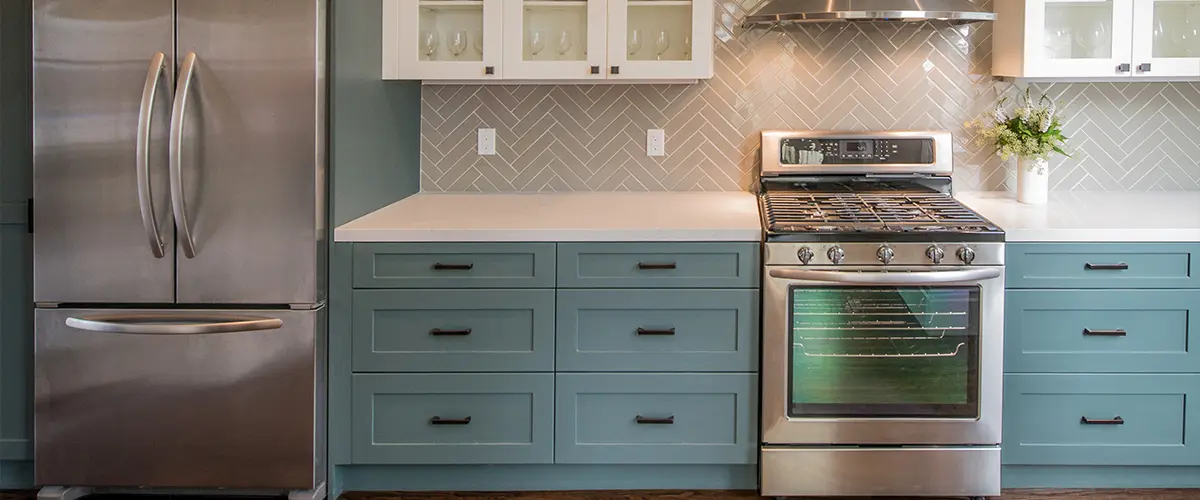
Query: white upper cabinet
x=548, y=40
x=660, y=39
x=1166, y=38
x=1097, y=39
x=442, y=39
x=554, y=39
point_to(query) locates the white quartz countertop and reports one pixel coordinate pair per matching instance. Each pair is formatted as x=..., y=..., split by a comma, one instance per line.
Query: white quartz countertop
x=663, y=216
x=1093, y=216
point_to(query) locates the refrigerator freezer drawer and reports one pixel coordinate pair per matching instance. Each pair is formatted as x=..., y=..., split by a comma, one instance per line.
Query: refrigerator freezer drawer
x=178, y=398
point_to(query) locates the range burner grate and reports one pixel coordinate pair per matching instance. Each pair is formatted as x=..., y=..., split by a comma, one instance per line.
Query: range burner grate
x=805, y=212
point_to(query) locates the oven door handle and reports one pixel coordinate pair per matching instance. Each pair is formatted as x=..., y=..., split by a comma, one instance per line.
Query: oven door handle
x=890, y=277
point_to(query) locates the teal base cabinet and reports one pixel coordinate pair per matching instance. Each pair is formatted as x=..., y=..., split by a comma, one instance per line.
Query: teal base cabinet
x=544, y=366
x=1101, y=382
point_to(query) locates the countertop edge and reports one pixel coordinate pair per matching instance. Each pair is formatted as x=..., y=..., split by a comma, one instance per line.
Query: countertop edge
x=545, y=235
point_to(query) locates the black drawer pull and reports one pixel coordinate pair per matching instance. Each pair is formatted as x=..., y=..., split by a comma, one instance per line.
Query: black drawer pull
x=651, y=266
x=1097, y=421
x=643, y=420
x=1104, y=333
x=651, y=331
x=449, y=421
x=438, y=332
x=1120, y=266
x=453, y=267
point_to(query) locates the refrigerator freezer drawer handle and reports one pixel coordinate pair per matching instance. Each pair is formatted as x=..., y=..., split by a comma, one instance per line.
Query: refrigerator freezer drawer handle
x=166, y=324
x=145, y=114
x=178, y=112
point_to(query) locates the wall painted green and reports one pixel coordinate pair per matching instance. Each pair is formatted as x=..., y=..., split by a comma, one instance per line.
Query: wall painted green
x=16, y=347
x=375, y=126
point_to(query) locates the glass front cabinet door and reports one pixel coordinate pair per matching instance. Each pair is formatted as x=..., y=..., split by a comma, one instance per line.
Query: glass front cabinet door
x=660, y=39
x=443, y=39
x=1084, y=39
x=554, y=39
x=1166, y=38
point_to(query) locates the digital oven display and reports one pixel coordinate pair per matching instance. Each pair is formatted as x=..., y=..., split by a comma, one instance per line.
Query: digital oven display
x=833, y=151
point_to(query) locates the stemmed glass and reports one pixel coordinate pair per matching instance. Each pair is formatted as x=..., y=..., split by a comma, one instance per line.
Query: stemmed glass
x=563, y=42
x=458, y=42
x=687, y=47
x=635, y=42
x=662, y=43
x=537, y=42
x=429, y=43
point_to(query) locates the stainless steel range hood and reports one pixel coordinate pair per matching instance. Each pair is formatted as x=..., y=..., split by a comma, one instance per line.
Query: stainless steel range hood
x=810, y=11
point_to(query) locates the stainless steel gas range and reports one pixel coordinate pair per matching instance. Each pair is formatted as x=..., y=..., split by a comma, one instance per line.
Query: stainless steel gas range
x=882, y=320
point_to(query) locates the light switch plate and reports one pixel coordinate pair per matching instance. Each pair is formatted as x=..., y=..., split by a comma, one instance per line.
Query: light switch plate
x=487, y=141
x=656, y=142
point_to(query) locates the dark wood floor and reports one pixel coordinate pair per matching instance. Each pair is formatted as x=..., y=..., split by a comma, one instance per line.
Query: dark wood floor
x=750, y=495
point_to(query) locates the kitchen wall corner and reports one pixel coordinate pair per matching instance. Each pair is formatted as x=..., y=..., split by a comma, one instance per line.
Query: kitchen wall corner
x=1125, y=136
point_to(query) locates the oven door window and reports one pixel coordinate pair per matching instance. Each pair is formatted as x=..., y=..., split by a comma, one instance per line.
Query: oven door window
x=897, y=352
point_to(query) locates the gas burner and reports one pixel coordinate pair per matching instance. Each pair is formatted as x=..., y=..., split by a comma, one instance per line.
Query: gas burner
x=791, y=211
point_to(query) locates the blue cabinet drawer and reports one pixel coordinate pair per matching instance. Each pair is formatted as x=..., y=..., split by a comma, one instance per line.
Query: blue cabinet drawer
x=658, y=265
x=658, y=330
x=1102, y=265
x=1101, y=330
x=454, y=265
x=656, y=418
x=453, y=330
x=1101, y=419
x=494, y=418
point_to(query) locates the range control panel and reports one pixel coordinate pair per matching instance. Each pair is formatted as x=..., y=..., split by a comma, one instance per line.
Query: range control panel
x=834, y=151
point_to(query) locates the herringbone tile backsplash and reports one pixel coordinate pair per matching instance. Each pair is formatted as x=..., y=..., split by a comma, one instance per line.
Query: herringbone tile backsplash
x=1125, y=136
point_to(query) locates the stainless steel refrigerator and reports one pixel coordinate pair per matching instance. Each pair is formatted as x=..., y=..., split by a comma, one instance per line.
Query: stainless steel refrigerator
x=179, y=228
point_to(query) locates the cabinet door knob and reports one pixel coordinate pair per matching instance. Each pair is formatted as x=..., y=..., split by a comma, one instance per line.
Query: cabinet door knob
x=1123, y=68
x=616, y=70
x=1144, y=67
x=489, y=70
x=595, y=70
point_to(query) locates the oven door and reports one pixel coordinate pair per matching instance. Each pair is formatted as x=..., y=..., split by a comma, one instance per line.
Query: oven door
x=863, y=356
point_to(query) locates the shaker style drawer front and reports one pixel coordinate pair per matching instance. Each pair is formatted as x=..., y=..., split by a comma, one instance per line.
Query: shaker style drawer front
x=1104, y=419
x=494, y=418
x=1102, y=265
x=1101, y=330
x=658, y=265
x=453, y=330
x=656, y=418
x=658, y=330
x=454, y=265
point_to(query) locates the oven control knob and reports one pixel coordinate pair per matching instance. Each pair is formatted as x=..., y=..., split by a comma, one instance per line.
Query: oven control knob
x=805, y=255
x=966, y=255
x=885, y=254
x=935, y=254
x=836, y=255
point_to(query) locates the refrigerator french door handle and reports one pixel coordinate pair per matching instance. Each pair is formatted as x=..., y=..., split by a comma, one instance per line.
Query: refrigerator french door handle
x=145, y=115
x=168, y=324
x=178, y=112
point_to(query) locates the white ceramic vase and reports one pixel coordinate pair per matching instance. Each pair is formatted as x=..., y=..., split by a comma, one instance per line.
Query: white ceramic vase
x=1033, y=180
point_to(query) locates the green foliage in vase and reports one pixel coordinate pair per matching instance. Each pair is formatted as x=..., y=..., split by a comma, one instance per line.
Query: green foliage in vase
x=1031, y=130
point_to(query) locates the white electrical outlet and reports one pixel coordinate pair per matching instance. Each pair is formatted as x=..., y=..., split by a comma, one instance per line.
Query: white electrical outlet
x=487, y=141
x=656, y=142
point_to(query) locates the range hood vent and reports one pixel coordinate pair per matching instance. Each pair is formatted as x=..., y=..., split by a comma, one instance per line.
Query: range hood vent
x=813, y=11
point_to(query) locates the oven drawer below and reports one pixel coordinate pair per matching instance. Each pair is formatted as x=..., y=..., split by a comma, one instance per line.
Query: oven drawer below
x=1107, y=331
x=869, y=472
x=1101, y=419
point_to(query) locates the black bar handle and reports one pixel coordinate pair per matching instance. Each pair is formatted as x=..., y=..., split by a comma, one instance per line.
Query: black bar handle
x=453, y=267
x=1104, y=333
x=1099, y=421
x=449, y=421
x=644, y=420
x=1120, y=266
x=652, y=331
x=650, y=266
x=438, y=332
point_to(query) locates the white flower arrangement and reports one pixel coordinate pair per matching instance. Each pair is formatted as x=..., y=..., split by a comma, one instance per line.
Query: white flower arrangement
x=1032, y=130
